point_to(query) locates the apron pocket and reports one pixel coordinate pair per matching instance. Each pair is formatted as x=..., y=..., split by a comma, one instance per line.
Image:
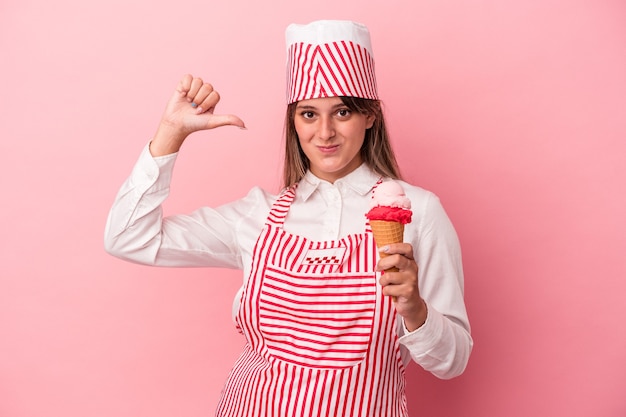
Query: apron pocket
x=317, y=321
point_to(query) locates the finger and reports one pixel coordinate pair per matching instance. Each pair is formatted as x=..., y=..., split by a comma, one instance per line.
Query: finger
x=184, y=85
x=403, y=292
x=404, y=249
x=387, y=263
x=389, y=287
x=201, y=96
x=218, y=120
x=391, y=291
x=196, y=84
x=388, y=278
x=395, y=261
x=206, y=102
x=396, y=278
x=399, y=285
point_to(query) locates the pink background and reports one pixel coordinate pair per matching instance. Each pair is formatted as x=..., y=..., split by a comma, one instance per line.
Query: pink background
x=513, y=112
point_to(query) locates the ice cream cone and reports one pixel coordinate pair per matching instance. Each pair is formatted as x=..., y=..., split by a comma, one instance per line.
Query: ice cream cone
x=389, y=211
x=386, y=232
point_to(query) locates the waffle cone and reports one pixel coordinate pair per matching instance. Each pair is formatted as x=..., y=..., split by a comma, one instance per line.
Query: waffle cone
x=386, y=232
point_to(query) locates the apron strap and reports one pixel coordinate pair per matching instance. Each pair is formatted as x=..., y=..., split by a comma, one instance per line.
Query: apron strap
x=280, y=208
x=368, y=228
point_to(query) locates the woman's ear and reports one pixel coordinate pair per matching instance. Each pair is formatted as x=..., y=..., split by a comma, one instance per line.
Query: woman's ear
x=370, y=121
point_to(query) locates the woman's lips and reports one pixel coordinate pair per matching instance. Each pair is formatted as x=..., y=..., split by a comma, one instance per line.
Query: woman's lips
x=328, y=149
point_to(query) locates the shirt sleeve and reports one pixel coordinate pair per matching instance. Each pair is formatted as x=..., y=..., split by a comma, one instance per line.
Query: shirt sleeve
x=442, y=345
x=136, y=230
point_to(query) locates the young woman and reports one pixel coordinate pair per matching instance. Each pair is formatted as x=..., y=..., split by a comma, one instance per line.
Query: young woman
x=327, y=332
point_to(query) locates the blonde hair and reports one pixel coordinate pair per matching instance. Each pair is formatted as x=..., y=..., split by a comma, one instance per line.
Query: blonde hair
x=376, y=151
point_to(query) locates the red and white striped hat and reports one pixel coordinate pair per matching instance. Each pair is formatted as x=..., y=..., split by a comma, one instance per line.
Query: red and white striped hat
x=329, y=58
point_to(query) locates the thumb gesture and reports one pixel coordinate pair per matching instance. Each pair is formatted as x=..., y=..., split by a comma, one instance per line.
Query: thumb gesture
x=191, y=108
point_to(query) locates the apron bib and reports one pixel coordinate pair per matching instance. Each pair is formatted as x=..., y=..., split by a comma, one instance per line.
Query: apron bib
x=320, y=336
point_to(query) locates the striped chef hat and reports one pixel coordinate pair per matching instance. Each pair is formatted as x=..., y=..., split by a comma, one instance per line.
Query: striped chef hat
x=329, y=58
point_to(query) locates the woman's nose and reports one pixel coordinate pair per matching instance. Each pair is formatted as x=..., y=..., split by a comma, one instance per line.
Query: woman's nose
x=326, y=128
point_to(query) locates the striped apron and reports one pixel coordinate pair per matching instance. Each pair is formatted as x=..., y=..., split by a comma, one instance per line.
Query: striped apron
x=320, y=337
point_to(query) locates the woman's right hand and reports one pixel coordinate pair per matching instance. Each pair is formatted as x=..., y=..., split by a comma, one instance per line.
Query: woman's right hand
x=191, y=108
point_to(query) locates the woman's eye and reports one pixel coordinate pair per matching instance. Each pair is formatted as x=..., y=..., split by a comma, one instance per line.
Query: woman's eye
x=307, y=114
x=344, y=112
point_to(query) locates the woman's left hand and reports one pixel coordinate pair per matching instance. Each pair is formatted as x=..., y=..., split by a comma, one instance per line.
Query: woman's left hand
x=403, y=284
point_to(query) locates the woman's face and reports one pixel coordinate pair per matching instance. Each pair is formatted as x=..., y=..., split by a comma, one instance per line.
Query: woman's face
x=331, y=136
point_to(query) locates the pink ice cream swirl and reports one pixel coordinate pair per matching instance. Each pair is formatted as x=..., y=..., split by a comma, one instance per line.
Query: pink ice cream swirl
x=390, y=203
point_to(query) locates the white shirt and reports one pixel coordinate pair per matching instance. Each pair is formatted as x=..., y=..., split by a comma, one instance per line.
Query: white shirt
x=225, y=237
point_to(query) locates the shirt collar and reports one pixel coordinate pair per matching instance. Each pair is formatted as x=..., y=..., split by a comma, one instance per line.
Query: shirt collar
x=361, y=180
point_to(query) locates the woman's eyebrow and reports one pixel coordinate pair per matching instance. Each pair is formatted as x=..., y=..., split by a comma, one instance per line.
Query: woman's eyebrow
x=311, y=107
